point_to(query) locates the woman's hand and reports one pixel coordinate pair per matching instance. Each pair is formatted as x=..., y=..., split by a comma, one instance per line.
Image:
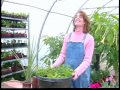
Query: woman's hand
x=74, y=75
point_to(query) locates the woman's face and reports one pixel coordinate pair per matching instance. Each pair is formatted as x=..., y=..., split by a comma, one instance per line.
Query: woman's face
x=78, y=20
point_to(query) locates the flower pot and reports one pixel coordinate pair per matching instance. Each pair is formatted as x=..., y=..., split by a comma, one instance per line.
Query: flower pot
x=6, y=71
x=17, y=67
x=13, y=68
x=24, y=35
x=20, y=35
x=8, y=35
x=13, y=57
x=8, y=58
x=3, y=35
x=35, y=82
x=19, y=55
x=45, y=82
x=26, y=84
x=23, y=44
x=16, y=35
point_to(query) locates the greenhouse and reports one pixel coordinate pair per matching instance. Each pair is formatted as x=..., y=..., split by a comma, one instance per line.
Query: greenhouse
x=59, y=43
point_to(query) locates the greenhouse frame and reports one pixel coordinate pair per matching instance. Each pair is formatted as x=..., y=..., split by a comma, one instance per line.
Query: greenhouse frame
x=32, y=35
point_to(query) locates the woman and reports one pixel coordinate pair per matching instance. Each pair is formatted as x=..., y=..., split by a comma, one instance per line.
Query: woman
x=77, y=51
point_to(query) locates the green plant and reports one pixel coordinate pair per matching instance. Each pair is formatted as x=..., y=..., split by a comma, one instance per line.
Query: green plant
x=55, y=45
x=104, y=28
x=31, y=58
x=5, y=54
x=5, y=23
x=58, y=72
x=112, y=84
x=14, y=15
x=98, y=76
x=7, y=65
x=6, y=78
x=19, y=76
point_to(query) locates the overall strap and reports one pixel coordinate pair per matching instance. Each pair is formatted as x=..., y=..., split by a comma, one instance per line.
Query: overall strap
x=69, y=36
x=84, y=38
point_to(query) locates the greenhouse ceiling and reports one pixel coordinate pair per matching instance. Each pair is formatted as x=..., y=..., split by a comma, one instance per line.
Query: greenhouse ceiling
x=69, y=7
x=61, y=11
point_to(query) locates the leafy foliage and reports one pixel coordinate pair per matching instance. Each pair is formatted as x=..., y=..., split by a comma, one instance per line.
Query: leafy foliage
x=55, y=45
x=32, y=53
x=112, y=84
x=104, y=28
x=58, y=72
x=97, y=76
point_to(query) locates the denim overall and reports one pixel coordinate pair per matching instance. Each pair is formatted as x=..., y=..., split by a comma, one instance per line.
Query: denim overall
x=74, y=57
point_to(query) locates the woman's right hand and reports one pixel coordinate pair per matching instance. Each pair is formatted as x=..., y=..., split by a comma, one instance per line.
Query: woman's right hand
x=74, y=75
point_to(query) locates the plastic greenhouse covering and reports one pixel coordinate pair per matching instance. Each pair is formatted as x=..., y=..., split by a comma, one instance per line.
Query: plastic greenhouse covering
x=61, y=13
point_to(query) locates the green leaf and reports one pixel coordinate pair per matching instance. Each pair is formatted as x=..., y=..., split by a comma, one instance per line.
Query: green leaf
x=110, y=37
x=105, y=85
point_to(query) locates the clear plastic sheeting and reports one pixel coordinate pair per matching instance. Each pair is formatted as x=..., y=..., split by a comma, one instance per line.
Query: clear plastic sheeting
x=59, y=19
x=61, y=14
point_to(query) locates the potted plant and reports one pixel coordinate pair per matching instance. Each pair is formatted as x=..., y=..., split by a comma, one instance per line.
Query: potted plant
x=28, y=72
x=55, y=77
x=15, y=66
x=59, y=77
x=6, y=71
x=6, y=56
x=14, y=24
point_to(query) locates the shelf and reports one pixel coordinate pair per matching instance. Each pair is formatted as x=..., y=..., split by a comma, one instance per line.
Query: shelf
x=10, y=18
x=11, y=60
x=14, y=48
x=11, y=73
x=14, y=38
x=7, y=28
x=13, y=29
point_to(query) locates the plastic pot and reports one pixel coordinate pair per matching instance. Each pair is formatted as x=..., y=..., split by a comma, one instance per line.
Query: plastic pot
x=27, y=84
x=35, y=82
x=45, y=82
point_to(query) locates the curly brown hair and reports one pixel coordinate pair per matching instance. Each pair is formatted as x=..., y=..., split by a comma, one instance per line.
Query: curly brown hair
x=86, y=20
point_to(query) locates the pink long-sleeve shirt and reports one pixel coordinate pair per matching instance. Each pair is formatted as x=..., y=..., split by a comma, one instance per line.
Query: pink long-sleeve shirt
x=88, y=47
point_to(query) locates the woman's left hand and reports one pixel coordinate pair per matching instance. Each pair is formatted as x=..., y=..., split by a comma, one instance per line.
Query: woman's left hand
x=74, y=75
